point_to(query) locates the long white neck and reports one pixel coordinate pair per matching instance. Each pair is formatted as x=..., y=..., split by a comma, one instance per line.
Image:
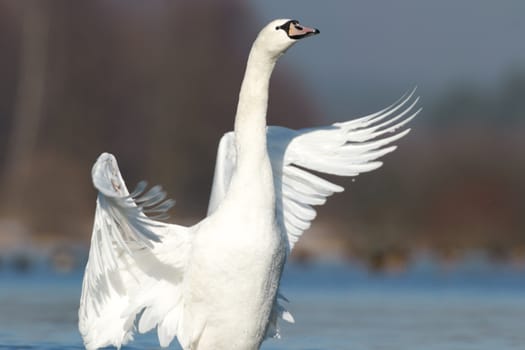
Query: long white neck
x=250, y=120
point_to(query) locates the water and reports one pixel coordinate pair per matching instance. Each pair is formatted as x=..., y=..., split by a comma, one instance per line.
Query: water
x=335, y=307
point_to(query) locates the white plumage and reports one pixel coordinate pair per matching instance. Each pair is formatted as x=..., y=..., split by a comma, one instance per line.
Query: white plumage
x=215, y=285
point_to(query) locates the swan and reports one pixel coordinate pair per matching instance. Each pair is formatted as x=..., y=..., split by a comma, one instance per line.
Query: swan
x=215, y=285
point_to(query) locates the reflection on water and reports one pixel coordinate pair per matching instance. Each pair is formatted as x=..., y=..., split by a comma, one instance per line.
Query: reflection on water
x=335, y=306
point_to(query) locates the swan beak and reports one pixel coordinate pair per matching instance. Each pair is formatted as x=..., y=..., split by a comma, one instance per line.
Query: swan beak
x=298, y=31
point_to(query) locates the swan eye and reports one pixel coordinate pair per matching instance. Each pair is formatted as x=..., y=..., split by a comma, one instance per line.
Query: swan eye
x=286, y=26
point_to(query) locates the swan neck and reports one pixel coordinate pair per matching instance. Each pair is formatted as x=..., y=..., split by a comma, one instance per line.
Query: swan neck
x=250, y=120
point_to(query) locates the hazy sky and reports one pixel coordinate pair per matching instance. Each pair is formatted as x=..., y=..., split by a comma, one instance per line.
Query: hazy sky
x=380, y=47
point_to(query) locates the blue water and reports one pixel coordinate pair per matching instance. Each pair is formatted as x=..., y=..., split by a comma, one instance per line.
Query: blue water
x=335, y=306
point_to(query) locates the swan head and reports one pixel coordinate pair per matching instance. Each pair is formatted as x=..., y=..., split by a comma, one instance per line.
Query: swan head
x=280, y=34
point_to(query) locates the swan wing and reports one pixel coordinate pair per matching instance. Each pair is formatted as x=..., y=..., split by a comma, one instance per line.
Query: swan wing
x=344, y=149
x=135, y=263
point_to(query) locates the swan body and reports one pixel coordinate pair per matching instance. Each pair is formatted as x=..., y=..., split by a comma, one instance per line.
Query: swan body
x=215, y=285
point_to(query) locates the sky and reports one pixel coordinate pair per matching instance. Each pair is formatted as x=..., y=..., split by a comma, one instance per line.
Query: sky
x=383, y=48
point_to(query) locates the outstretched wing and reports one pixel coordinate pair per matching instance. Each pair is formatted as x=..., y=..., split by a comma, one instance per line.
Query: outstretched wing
x=135, y=263
x=345, y=149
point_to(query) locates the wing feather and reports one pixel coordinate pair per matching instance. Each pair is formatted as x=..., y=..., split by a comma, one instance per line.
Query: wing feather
x=344, y=149
x=132, y=261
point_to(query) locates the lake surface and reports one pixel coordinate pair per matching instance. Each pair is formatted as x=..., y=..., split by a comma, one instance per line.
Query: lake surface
x=476, y=306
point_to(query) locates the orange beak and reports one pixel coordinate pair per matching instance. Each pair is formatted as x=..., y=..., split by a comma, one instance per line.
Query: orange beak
x=298, y=31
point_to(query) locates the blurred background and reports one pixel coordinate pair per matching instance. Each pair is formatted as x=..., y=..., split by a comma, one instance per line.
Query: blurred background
x=156, y=84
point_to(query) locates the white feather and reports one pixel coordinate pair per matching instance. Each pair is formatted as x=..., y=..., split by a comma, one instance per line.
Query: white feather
x=129, y=252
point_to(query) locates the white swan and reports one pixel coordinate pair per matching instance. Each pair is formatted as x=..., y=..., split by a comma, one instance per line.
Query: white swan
x=215, y=285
